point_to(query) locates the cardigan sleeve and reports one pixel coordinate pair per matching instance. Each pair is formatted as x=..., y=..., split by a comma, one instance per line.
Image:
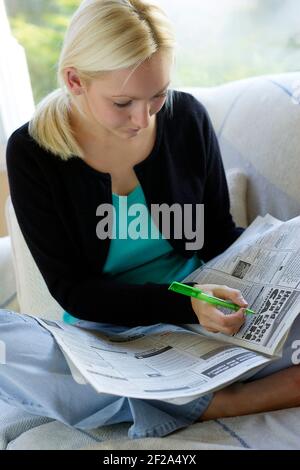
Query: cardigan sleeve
x=86, y=296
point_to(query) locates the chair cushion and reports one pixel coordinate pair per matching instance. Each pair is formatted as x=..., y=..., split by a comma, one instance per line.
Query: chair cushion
x=237, y=185
x=274, y=430
x=277, y=430
x=257, y=122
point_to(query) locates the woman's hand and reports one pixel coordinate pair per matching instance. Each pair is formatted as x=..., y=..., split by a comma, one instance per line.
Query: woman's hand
x=213, y=319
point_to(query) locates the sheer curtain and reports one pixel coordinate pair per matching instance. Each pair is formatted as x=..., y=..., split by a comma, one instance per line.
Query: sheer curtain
x=16, y=99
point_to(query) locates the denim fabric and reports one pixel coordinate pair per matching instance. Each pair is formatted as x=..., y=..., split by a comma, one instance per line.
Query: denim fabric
x=36, y=378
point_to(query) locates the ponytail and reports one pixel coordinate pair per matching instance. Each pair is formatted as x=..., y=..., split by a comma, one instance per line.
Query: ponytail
x=50, y=126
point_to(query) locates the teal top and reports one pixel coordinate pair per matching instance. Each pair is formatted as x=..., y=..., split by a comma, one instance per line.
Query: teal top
x=145, y=255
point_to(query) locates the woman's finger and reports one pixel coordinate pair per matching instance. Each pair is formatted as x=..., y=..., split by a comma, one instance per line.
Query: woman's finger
x=235, y=295
x=224, y=292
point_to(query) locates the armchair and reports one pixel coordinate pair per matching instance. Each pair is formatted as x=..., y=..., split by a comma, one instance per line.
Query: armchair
x=257, y=122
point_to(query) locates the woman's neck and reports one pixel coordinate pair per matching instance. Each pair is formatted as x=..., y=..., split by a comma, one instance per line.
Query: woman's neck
x=110, y=153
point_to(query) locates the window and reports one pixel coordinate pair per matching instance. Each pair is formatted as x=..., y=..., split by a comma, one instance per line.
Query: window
x=224, y=40
x=218, y=41
x=39, y=26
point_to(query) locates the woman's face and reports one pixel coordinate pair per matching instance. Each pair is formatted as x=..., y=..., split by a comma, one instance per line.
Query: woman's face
x=125, y=107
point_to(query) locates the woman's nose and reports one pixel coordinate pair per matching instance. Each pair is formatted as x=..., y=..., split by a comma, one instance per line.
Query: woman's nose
x=141, y=116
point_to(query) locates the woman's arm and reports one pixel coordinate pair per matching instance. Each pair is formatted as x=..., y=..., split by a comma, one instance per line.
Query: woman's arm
x=67, y=273
x=64, y=269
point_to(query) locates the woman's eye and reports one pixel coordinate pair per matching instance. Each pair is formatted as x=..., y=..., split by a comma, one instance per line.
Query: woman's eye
x=122, y=105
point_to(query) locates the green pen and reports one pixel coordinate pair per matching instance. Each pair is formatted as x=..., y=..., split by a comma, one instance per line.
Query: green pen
x=199, y=294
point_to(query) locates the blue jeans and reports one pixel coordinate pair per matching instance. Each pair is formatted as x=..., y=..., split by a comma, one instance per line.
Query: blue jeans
x=36, y=377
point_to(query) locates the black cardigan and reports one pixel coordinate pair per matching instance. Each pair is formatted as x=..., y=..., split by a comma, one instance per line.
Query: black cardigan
x=55, y=203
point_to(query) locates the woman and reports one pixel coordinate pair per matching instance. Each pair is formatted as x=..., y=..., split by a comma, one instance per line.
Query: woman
x=113, y=134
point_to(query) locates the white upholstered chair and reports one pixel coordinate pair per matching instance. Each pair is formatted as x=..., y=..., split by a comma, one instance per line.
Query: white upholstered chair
x=257, y=122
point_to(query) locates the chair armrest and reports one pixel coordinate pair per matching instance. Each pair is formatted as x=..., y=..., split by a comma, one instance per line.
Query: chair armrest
x=33, y=294
x=8, y=289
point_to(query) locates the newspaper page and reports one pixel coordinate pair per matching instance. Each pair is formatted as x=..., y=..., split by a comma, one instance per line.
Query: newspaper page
x=264, y=264
x=161, y=362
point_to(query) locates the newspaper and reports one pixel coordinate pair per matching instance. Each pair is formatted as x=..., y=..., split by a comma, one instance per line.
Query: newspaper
x=264, y=264
x=180, y=363
x=168, y=363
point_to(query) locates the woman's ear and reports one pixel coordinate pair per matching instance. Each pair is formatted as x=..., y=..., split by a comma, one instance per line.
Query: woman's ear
x=73, y=81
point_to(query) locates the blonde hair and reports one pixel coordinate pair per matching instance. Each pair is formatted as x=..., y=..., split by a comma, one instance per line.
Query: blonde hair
x=104, y=35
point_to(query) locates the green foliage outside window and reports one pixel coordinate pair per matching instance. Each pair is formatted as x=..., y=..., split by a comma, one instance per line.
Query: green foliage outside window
x=39, y=25
x=218, y=40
